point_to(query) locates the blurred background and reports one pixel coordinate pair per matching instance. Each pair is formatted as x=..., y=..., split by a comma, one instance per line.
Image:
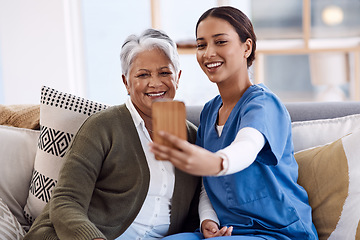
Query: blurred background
x=307, y=50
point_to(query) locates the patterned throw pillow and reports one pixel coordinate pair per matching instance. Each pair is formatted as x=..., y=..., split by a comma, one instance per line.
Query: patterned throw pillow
x=61, y=115
x=331, y=176
x=10, y=228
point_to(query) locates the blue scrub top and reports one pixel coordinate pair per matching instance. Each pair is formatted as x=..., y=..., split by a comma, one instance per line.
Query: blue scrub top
x=264, y=198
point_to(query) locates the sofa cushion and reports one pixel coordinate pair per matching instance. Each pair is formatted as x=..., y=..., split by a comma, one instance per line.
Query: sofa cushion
x=10, y=228
x=17, y=154
x=331, y=176
x=307, y=134
x=61, y=115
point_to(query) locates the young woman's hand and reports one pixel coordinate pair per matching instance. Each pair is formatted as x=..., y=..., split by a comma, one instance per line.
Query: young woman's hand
x=188, y=157
x=210, y=229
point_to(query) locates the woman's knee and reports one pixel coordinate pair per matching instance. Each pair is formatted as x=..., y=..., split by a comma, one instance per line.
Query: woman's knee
x=187, y=236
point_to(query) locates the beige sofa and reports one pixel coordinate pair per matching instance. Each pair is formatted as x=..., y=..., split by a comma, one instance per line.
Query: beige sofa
x=325, y=136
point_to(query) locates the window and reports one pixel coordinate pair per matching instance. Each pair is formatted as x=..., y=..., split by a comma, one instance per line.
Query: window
x=321, y=64
x=335, y=18
x=277, y=19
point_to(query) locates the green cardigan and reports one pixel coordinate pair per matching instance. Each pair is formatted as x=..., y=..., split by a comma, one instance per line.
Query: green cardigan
x=104, y=181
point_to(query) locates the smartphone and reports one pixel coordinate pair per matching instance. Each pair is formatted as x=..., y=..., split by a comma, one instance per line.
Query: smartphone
x=168, y=116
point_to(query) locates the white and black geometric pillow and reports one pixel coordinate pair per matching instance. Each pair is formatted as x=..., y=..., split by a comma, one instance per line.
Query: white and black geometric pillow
x=10, y=228
x=61, y=115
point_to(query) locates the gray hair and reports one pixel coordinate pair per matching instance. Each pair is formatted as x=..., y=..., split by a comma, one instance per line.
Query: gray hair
x=148, y=40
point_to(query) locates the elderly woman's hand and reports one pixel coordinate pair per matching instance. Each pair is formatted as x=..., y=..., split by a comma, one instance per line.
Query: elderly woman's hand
x=188, y=157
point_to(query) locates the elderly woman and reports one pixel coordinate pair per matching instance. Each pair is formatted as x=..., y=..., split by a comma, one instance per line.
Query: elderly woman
x=111, y=186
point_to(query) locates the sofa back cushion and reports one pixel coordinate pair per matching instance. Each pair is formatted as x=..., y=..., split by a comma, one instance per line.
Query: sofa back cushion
x=17, y=154
x=307, y=134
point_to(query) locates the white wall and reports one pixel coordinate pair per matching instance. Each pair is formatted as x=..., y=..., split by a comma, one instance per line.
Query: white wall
x=41, y=44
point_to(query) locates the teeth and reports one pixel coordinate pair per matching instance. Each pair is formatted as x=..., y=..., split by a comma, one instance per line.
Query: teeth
x=156, y=94
x=212, y=65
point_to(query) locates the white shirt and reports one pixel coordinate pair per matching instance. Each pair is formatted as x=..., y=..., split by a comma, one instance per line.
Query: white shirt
x=153, y=219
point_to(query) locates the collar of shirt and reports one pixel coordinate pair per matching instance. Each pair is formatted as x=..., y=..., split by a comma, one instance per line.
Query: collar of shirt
x=138, y=121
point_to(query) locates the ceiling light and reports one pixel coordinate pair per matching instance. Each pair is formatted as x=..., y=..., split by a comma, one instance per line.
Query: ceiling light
x=332, y=15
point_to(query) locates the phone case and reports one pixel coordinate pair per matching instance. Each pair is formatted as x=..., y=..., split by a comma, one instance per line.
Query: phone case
x=169, y=116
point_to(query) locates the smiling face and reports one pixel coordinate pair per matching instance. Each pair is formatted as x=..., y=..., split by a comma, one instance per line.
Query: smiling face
x=151, y=76
x=220, y=53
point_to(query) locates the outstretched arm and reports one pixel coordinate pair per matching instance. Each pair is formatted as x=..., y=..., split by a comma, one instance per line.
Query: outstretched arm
x=195, y=160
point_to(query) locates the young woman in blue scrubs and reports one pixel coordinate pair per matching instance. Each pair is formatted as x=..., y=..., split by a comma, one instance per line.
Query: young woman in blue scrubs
x=245, y=150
